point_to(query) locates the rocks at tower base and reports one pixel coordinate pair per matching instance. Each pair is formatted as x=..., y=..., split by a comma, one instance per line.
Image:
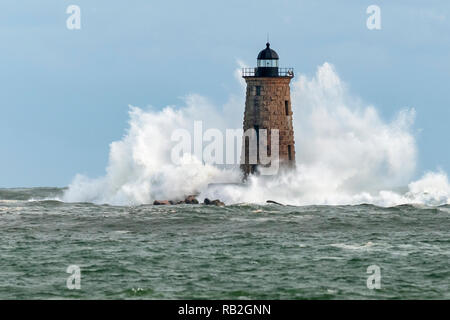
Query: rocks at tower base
x=189, y=200
x=216, y=202
x=162, y=202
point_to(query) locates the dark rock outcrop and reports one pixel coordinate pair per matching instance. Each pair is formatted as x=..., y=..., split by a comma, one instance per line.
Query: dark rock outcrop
x=162, y=202
x=191, y=200
x=274, y=202
x=188, y=200
x=216, y=202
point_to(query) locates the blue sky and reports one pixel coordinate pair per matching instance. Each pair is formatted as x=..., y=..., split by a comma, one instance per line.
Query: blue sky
x=64, y=94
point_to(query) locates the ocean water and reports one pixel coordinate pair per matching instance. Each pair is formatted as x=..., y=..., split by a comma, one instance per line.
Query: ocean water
x=240, y=251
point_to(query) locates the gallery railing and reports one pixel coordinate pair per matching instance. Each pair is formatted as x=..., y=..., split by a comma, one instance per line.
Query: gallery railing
x=282, y=72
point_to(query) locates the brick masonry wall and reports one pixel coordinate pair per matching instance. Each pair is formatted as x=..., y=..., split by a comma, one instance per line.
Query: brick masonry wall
x=266, y=108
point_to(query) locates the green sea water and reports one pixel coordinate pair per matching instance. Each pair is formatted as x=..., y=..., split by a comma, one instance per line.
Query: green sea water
x=239, y=251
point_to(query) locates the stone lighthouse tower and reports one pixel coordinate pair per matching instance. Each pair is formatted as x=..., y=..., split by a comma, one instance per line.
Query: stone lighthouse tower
x=267, y=107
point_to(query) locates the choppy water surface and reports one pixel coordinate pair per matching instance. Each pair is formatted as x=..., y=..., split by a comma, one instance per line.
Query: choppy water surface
x=234, y=252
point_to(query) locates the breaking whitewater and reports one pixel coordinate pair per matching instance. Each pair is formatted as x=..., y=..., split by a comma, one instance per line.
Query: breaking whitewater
x=346, y=154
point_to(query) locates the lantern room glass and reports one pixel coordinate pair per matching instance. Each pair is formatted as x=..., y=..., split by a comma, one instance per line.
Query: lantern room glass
x=268, y=63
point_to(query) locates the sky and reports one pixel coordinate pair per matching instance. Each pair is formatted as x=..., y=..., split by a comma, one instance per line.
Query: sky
x=65, y=94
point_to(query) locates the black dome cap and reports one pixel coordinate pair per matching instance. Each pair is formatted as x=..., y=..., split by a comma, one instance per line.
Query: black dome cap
x=268, y=54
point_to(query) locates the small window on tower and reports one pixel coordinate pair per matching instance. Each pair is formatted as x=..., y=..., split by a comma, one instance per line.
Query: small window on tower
x=289, y=153
x=286, y=107
x=258, y=90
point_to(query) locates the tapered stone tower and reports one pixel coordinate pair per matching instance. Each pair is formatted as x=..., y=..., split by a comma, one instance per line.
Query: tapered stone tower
x=267, y=106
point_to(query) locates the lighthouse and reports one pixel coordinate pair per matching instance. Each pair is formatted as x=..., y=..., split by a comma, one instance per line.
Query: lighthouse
x=268, y=112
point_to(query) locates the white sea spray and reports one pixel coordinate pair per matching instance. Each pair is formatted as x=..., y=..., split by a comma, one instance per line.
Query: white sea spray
x=345, y=152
